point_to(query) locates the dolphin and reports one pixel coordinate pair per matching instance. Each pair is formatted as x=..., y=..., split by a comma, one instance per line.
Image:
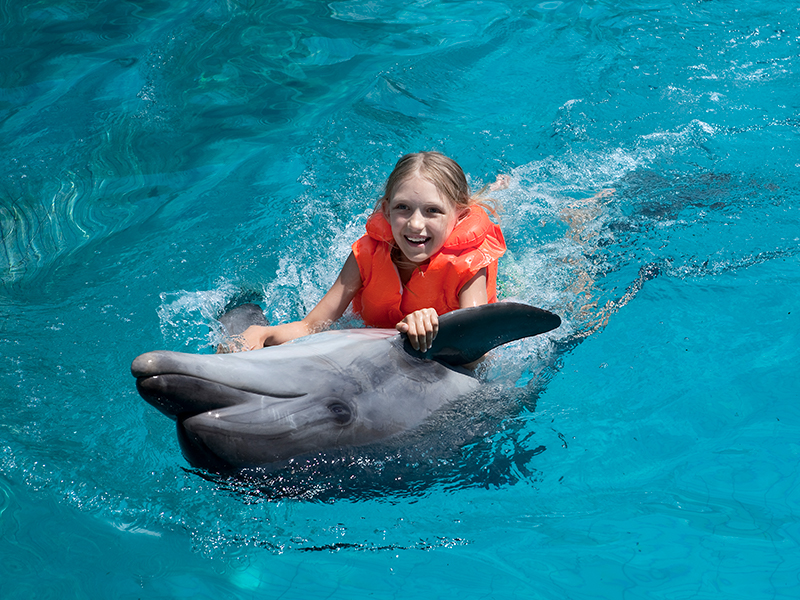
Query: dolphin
x=331, y=390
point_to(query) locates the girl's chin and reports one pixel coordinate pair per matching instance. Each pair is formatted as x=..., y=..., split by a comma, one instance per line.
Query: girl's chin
x=417, y=257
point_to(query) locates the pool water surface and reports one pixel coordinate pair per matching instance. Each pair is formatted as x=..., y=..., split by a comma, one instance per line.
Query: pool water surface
x=163, y=159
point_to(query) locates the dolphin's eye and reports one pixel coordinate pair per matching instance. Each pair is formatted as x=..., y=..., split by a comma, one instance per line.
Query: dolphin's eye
x=341, y=412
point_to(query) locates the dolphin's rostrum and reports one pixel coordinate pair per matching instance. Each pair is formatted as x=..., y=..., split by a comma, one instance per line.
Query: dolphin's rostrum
x=335, y=389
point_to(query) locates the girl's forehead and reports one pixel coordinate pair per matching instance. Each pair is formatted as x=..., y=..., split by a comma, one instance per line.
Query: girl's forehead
x=413, y=180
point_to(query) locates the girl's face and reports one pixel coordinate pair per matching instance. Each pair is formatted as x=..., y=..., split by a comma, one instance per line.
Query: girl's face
x=421, y=219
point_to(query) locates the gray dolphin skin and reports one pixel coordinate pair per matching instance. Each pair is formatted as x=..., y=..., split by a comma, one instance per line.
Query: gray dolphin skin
x=331, y=390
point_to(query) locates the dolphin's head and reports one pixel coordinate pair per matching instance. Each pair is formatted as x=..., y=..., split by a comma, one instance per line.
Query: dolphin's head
x=266, y=406
x=270, y=430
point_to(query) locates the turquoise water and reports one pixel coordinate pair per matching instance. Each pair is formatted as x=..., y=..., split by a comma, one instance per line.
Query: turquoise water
x=161, y=159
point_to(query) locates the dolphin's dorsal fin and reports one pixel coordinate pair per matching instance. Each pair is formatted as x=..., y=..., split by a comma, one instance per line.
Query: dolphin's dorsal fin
x=467, y=334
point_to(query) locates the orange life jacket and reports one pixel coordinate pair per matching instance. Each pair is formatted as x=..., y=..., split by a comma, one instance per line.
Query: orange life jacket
x=475, y=243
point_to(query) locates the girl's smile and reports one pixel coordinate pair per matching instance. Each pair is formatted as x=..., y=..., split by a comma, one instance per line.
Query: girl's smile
x=420, y=218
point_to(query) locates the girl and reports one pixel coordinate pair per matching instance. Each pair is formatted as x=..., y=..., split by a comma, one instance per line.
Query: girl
x=430, y=248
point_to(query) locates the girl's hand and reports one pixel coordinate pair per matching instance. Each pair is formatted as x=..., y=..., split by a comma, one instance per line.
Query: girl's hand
x=253, y=338
x=421, y=327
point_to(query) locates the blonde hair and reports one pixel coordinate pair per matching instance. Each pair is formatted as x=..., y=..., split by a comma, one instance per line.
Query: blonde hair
x=441, y=171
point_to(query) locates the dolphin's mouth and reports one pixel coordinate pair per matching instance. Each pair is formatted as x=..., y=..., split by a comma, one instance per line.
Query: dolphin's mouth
x=182, y=396
x=221, y=428
x=216, y=443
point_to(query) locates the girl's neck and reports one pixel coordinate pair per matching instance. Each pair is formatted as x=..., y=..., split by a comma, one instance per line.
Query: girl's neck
x=404, y=266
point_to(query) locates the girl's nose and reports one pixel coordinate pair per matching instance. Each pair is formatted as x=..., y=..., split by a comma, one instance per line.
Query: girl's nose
x=416, y=222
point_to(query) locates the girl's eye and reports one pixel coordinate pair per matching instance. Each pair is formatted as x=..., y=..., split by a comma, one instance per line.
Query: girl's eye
x=400, y=206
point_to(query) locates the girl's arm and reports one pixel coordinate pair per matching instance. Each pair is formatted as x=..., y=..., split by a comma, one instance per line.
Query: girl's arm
x=474, y=291
x=330, y=308
x=422, y=325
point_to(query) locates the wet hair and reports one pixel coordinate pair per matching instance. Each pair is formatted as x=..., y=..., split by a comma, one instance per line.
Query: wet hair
x=441, y=171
